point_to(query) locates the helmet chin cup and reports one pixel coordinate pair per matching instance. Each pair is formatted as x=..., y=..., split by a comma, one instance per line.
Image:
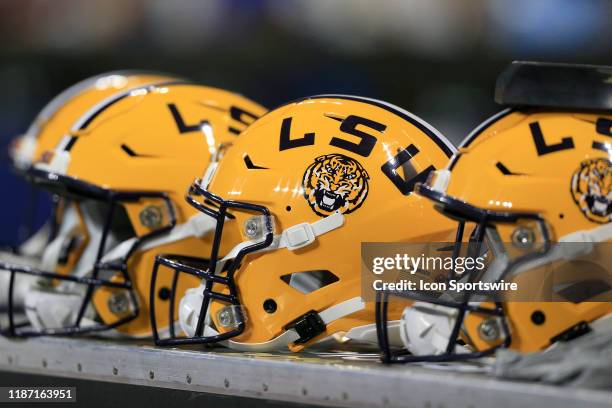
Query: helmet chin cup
x=425, y=328
x=47, y=310
x=189, y=310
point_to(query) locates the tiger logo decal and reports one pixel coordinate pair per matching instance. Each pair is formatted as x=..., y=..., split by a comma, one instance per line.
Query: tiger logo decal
x=335, y=182
x=592, y=189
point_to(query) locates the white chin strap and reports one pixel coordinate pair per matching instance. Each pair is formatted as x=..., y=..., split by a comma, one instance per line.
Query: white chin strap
x=597, y=234
x=197, y=226
x=189, y=313
x=280, y=342
x=295, y=237
x=583, y=241
x=569, y=247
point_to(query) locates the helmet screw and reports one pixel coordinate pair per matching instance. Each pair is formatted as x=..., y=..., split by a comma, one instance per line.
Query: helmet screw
x=489, y=330
x=523, y=237
x=251, y=227
x=151, y=217
x=119, y=303
x=225, y=318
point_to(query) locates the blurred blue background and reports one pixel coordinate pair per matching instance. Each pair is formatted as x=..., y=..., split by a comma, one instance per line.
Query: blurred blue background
x=436, y=58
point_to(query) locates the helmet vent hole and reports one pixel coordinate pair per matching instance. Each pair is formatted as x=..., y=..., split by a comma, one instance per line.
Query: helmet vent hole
x=128, y=150
x=309, y=281
x=270, y=306
x=561, y=215
x=538, y=317
x=163, y=293
x=288, y=208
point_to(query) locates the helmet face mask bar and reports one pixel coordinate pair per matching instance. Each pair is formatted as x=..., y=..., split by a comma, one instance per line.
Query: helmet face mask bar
x=207, y=270
x=483, y=235
x=77, y=189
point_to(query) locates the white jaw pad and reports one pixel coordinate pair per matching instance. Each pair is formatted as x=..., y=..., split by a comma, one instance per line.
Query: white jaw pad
x=49, y=310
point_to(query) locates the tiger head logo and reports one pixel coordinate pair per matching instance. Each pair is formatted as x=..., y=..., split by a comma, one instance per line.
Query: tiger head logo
x=592, y=189
x=335, y=182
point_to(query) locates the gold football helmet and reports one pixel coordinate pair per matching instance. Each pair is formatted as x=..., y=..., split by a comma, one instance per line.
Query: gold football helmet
x=122, y=169
x=536, y=182
x=293, y=199
x=51, y=124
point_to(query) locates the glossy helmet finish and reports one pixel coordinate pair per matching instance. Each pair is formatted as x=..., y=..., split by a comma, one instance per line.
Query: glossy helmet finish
x=122, y=169
x=535, y=180
x=51, y=124
x=57, y=116
x=294, y=198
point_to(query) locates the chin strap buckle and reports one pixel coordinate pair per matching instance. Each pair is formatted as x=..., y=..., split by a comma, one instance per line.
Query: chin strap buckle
x=299, y=236
x=307, y=326
x=304, y=234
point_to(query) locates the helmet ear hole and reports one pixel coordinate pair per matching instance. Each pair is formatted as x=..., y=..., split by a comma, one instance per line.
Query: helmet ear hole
x=538, y=317
x=307, y=282
x=163, y=293
x=288, y=208
x=270, y=306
